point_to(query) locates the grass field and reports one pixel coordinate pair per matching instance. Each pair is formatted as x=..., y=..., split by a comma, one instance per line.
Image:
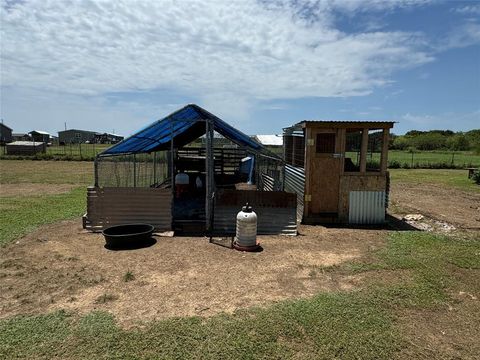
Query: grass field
x=424, y=275
x=21, y=214
x=425, y=159
x=446, y=177
x=403, y=159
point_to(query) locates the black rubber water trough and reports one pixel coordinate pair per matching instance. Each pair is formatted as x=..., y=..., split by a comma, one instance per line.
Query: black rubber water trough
x=128, y=236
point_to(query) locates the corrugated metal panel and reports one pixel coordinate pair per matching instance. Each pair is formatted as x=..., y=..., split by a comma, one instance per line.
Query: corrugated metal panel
x=111, y=206
x=271, y=220
x=295, y=183
x=366, y=207
x=268, y=182
x=276, y=211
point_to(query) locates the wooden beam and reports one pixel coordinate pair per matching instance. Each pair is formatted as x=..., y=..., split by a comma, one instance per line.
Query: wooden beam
x=384, y=158
x=363, y=151
x=308, y=156
x=209, y=175
x=372, y=125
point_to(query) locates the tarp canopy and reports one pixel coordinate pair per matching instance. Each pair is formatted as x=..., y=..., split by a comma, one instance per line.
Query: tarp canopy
x=184, y=125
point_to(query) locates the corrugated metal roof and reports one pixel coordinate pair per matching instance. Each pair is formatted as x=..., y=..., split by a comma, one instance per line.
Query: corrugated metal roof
x=40, y=132
x=369, y=123
x=184, y=125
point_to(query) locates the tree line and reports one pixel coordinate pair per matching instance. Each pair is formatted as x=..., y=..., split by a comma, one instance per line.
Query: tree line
x=437, y=140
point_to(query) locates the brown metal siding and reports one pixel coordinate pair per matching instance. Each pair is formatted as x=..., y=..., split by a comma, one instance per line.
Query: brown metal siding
x=112, y=206
x=276, y=211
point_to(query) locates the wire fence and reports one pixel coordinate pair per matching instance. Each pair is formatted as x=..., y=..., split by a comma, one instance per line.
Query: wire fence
x=132, y=170
x=68, y=151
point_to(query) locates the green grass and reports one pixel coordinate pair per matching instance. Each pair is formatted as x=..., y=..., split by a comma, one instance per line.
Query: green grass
x=20, y=215
x=353, y=325
x=77, y=149
x=320, y=328
x=448, y=178
x=460, y=158
x=424, y=159
x=46, y=172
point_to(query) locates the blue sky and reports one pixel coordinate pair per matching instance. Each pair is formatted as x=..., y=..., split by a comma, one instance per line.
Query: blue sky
x=260, y=65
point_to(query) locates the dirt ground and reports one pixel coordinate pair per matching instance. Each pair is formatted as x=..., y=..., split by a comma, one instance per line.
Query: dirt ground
x=61, y=266
x=460, y=208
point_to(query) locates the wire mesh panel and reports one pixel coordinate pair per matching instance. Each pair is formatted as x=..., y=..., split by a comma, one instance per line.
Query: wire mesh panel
x=270, y=174
x=132, y=170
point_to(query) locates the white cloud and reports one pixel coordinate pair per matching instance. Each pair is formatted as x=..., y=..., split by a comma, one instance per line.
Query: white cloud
x=462, y=36
x=375, y=5
x=456, y=121
x=473, y=9
x=237, y=50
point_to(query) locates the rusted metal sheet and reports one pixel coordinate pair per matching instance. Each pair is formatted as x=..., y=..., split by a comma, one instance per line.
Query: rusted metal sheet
x=295, y=183
x=112, y=206
x=276, y=211
x=225, y=197
x=366, y=207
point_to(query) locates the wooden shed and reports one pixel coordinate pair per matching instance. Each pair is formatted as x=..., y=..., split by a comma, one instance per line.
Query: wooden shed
x=338, y=170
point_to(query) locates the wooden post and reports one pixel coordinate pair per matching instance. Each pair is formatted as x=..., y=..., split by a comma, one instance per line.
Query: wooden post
x=95, y=167
x=363, y=151
x=309, y=144
x=172, y=165
x=155, y=168
x=134, y=171
x=384, y=155
x=209, y=175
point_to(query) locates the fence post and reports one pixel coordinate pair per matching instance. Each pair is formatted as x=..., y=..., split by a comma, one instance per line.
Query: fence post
x=134, y=170
x=95, y=166
x=453, y=158
x=80, y=149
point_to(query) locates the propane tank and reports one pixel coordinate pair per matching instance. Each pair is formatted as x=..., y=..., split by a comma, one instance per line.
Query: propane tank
x=246, y=234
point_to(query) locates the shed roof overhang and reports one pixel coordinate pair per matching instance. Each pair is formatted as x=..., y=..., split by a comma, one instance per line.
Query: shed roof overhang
x=183, y=126
x=338, y=124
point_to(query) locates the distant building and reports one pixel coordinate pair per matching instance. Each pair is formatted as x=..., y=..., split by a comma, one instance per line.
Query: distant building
x=40, y=136
x=25, y=148
x=20, y=137
x=5, y=134
x=107, y=138
x=269, y=140
x=75, y=136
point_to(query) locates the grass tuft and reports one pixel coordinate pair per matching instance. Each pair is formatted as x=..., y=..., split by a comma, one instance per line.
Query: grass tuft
x=128, y=276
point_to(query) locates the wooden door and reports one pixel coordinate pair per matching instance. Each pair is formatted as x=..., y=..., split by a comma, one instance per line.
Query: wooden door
x=325, y=169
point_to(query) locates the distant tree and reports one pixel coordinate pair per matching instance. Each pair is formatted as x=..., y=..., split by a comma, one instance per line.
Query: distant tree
x=429, y=141
x=400, y=143
x=458, y=142
x=473, y=137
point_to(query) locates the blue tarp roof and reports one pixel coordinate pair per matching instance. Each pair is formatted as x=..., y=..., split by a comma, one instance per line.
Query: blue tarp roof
x=185, y=125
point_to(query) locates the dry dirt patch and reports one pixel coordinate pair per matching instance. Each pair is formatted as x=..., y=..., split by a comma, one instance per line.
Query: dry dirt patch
x=63, y=267
x=27, y=189
x=449, y=205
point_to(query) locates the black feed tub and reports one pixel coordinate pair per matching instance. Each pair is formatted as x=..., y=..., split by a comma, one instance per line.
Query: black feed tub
x=128, y=236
